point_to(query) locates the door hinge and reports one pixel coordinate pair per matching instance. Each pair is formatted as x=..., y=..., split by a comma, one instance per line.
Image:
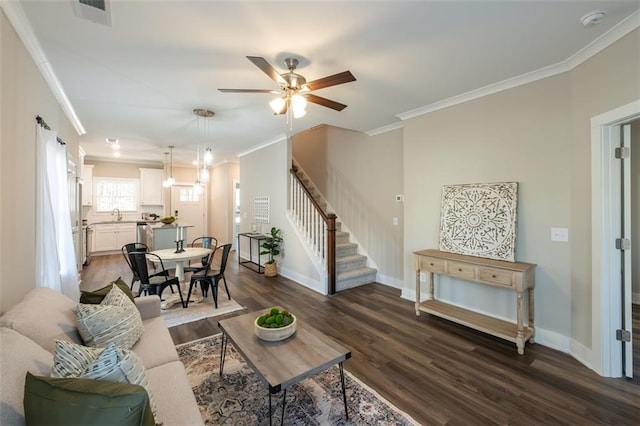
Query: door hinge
x=622, y=152
x=623, y=244
x=623, y=335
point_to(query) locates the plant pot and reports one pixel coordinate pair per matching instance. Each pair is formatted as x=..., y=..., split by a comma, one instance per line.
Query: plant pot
x=271, y=269
x=275, y=334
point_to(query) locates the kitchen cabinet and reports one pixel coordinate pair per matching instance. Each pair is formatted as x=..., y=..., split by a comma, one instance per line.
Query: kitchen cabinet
x=151, y=189
x=87, y=185
x=109, y=237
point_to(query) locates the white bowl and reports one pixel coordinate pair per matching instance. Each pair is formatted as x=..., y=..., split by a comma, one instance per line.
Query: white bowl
x=275, y=334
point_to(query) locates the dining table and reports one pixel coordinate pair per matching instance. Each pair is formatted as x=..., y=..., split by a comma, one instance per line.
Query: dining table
x=181, y=259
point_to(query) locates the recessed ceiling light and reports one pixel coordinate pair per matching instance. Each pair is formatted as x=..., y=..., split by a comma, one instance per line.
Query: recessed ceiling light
x=116, y=153
x=111, y=140
x=592, y=18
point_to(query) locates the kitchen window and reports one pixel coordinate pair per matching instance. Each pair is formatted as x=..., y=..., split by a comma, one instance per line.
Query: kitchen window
x=115, y=193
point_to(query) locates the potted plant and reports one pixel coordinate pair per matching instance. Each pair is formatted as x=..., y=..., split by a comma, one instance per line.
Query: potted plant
x=271, y=247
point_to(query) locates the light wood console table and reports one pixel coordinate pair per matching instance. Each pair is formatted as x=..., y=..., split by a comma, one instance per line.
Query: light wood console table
x=518, y=276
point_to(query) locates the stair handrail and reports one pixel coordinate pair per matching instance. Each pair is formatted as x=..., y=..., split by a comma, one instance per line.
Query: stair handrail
x=330, y=220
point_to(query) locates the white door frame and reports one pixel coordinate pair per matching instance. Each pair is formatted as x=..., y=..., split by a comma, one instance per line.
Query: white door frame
x=606, y=352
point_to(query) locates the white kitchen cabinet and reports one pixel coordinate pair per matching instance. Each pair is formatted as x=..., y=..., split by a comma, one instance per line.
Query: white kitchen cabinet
x=109, y=237
x=151, y=189
x=87, y=185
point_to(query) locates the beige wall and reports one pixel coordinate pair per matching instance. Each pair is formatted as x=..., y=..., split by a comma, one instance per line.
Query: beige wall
x=635, y=209
x=221, y=216
x=360, y=177
x=538, y=135
x=603, y=83
x=25, y=94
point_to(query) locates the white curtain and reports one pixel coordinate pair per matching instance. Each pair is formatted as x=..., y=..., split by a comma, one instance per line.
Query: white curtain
x=55, y=253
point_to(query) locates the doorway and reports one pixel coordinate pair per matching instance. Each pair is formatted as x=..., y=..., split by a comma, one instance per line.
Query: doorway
x=611, y=267
x=189, y=203
x=236, y=212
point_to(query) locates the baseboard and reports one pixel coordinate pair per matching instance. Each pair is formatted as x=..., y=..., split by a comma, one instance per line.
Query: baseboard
x=581, y=353
x=303, y=280
x=390, y=281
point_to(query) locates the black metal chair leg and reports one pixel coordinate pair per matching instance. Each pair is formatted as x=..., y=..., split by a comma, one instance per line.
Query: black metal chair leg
x=214, y=293
x=225, y=287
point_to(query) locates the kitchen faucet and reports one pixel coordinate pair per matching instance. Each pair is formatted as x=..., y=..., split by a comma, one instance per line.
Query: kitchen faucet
x=117, y=211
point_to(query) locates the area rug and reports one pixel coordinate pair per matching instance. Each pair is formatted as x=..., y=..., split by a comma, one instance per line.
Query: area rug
x=240, y=397
x=177, y=315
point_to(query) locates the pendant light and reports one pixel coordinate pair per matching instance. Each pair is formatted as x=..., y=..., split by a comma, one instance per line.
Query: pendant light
x=204, y=115
x=170, y=180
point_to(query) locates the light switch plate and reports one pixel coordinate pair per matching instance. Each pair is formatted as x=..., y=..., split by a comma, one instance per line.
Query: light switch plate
x=560, y=235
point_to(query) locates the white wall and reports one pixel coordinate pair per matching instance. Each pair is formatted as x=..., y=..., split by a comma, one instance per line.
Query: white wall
x=24, y=94
x=265, y=172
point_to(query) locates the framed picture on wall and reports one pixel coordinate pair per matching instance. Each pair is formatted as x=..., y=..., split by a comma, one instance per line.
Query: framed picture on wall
x=479, y=219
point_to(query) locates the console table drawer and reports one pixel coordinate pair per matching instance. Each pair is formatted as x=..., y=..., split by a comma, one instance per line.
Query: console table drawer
x=461, y=270
x=432, y=264
x=496, y=276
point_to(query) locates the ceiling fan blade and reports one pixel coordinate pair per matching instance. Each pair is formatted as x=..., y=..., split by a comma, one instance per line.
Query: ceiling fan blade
x=266, y=67
x=332, y=80
x=325, y=102
x=275, y=92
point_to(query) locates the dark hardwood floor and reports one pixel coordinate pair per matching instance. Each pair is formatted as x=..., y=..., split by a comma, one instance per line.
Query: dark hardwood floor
x=436, y=371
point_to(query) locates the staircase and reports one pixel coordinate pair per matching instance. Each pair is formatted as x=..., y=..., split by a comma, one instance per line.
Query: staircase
x=351, y=268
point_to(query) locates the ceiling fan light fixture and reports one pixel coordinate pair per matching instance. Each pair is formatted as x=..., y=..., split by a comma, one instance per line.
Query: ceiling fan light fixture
x=298, y=105
x=278, y=105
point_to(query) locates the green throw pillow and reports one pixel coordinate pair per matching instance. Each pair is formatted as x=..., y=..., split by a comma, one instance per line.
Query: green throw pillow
x=55, y=401
x=96, y=296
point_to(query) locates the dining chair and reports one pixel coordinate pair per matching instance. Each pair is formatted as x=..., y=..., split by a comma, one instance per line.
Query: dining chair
x=211, y=277
x=156, y=283
x=205, y=262
x=131, y=247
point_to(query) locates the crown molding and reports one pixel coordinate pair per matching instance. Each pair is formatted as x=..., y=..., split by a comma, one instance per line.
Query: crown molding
x=17, y=18
x=280, y=138
x=384, y=129
x=623, y=28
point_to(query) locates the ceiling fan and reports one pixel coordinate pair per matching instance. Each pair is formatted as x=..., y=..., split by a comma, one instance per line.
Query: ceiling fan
x=294, y=88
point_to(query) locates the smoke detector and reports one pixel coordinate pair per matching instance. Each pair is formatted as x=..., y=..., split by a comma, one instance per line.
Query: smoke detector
x=592, y=18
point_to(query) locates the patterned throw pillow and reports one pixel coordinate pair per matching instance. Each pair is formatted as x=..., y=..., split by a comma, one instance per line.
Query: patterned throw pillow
x=110, y=364
x=115, y=320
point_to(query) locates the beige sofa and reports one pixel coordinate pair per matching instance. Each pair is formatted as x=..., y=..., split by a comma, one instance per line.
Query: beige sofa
x=27, y=335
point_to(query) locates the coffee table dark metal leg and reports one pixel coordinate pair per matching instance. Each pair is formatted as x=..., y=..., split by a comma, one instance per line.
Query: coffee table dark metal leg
x=284, y=401
x=223, y=351
x=344, y=393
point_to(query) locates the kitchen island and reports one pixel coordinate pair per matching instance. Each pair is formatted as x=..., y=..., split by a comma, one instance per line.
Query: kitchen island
x=159, y=236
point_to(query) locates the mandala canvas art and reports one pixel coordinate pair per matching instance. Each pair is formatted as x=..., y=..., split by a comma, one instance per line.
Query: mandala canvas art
x=479, y=220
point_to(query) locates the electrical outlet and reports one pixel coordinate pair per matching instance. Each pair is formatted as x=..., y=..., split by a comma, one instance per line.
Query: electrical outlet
x=560, y=235
x=399, y=198
x=395, y=221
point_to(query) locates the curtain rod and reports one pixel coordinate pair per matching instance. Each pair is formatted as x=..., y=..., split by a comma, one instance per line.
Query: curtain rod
x=41, y=122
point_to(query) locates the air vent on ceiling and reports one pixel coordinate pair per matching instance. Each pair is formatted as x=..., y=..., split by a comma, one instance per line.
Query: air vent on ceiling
x=98, y=11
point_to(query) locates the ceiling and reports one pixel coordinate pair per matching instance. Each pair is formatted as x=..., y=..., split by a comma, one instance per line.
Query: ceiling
x=139, y=79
